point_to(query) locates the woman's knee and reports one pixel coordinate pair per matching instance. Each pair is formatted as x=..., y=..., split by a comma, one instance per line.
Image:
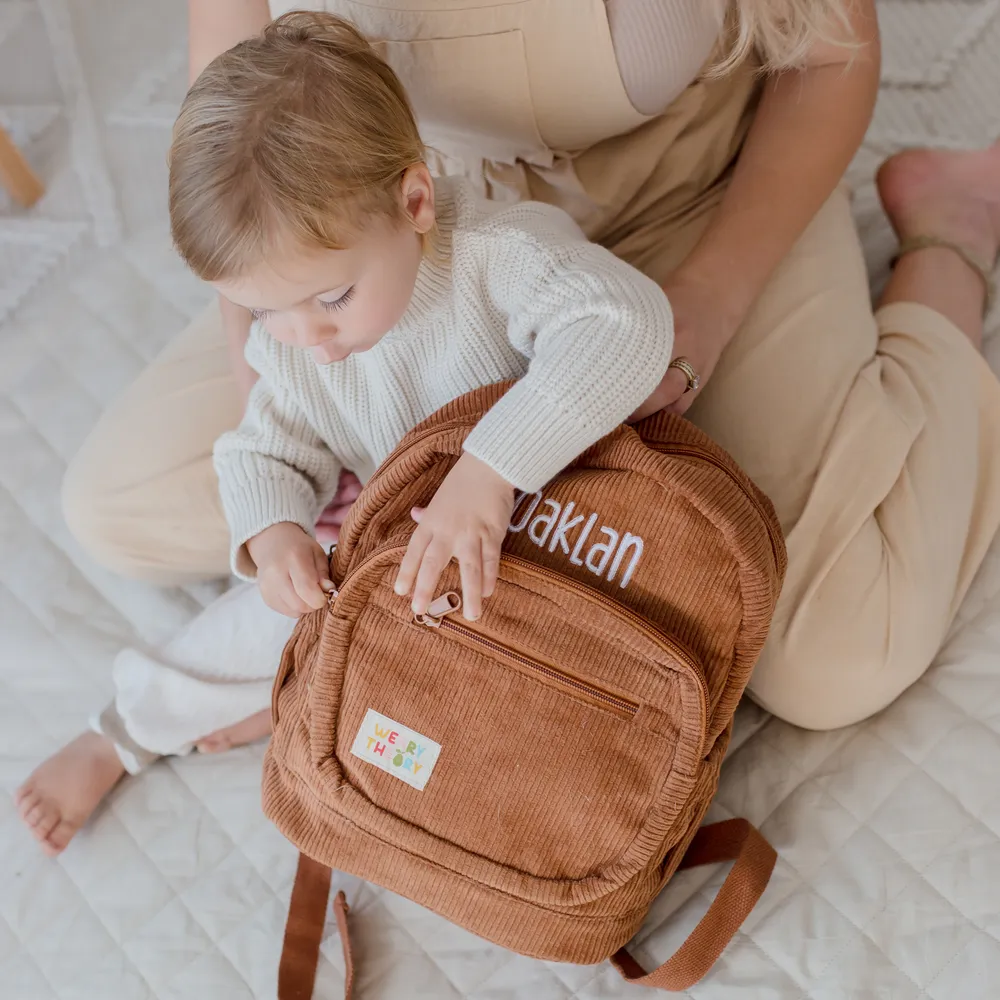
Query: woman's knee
x=810, y=700
x=147, y=515
x=93, y=514
x=843, y=668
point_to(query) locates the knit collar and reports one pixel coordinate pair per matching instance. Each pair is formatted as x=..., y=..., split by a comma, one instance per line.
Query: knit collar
x=432, y=288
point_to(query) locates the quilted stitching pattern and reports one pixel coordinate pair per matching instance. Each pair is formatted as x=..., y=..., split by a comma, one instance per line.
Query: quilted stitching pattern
x=889, y=833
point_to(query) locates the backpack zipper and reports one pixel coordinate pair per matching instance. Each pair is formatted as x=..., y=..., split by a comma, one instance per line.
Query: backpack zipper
x=454, y=603
x=654, y=634
x=640, y=623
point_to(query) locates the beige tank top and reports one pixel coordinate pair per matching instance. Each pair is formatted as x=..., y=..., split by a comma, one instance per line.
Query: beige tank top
x=660, y=45
x=500, y=84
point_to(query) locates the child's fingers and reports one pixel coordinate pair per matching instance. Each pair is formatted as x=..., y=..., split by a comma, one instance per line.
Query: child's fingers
x=411, y=562
x=282, y=599
x=491, y=566
x=292, y=608
x=322, y=570
x=305, y=581
x=436, y=556
x=417, y=513
x=470, y=568
x=297, y=607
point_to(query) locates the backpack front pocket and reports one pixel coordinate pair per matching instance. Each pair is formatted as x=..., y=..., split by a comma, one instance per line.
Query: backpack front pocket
x=545, y=749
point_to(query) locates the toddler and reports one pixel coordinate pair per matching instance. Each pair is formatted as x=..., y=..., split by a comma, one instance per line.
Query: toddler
x=298, y=189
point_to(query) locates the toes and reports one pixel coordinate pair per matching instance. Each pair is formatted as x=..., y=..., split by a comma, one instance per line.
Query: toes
x=59, y=838
x=43, y=829
x=40, y=816
x=215, y=743
x=27, y=799
x=37, y=813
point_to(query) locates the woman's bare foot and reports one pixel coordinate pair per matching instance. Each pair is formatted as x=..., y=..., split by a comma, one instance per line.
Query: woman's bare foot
x=256, y=727
x=953, y=195
x=63, y=792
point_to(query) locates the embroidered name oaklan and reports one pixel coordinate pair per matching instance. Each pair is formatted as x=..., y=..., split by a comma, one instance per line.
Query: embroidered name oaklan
x=609, y=554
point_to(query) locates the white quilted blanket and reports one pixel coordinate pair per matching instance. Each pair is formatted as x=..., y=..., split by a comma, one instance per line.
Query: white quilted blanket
x=888, y=833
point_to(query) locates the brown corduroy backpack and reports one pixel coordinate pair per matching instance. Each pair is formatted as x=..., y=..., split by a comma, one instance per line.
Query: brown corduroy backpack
x=536, y=776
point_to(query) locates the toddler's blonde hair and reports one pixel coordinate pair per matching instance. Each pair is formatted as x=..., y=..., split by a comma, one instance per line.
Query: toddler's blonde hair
x=298, y=136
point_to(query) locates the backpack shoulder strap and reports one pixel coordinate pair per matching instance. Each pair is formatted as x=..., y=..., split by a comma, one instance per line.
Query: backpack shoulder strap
x=304, y=932
x=731, y=840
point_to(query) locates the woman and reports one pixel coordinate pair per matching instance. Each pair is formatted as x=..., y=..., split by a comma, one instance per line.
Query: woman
x=877, y=436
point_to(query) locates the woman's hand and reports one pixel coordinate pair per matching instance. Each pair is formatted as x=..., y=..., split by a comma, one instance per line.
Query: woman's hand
x=704, y=322
x=807, y=127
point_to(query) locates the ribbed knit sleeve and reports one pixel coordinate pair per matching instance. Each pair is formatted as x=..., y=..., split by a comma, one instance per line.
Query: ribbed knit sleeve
x=598, y=335
x=275, y=466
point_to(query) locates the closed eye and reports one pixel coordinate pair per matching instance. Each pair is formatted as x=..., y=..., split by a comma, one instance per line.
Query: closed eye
x=338, y=303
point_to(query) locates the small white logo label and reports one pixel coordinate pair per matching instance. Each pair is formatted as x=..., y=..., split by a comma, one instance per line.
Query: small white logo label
x=401, y=752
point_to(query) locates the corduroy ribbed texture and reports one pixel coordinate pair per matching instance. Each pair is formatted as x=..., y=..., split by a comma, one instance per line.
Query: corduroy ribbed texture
x=563, y=797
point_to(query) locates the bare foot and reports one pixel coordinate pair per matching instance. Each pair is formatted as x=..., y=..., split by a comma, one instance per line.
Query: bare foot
x=256, y=727
x=62, y=793
x=954, y=195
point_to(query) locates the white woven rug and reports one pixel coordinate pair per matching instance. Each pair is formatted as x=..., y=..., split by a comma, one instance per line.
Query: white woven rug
x=889, y=833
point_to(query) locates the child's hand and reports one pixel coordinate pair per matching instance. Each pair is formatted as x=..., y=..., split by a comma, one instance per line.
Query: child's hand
x=292, y=569
x=467, y=520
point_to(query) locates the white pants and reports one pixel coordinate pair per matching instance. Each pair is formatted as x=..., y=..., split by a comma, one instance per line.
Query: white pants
x=215, y=672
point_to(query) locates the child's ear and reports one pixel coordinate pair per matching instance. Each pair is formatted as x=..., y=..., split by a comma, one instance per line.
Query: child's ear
x=417, y=193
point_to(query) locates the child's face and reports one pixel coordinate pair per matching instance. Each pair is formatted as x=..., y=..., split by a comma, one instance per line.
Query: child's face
x=339, y=302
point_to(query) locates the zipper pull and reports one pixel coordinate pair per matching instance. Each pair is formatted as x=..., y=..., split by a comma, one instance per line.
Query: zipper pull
x=440, y=608
x=331, y=591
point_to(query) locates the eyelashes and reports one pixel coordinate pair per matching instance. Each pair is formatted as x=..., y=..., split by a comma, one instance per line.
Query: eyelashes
x=338, y=303
x=259, y=315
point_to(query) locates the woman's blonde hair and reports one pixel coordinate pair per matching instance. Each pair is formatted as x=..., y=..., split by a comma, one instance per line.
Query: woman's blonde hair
x=780, y=33
x=300, y=134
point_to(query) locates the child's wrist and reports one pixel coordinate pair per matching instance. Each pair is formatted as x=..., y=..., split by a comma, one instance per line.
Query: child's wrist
x=483, y=473
x=261, y=543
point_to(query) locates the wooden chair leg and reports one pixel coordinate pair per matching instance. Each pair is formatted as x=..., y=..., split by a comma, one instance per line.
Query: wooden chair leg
x=15, y=174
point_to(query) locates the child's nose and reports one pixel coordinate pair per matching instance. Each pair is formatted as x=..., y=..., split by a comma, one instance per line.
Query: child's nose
x=314, y=330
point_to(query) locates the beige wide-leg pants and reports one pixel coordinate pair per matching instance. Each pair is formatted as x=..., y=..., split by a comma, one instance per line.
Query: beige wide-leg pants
x=877, y=436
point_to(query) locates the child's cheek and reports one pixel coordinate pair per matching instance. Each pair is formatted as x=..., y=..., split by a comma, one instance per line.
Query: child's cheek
x=281, y=328
x=387, y=310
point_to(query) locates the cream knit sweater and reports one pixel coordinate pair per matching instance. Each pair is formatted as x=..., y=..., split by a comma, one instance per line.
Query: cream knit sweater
x=523, y=296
